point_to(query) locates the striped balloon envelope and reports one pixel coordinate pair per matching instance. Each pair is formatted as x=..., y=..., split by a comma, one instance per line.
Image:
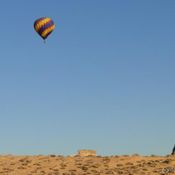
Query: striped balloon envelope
x=44, y=26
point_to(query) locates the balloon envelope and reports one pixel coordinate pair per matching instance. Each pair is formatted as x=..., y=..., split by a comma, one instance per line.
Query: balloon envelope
x=44, y=26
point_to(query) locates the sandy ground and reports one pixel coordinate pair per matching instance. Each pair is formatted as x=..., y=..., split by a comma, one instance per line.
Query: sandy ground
x=60, y=165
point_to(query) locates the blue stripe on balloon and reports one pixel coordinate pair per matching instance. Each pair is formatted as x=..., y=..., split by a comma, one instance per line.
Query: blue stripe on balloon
x=44, y=27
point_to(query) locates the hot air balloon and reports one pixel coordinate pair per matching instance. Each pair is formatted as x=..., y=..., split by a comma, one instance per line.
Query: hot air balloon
x=44, y=26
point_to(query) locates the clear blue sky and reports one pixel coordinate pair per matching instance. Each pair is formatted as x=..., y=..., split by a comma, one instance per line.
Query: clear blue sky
x=104, y=80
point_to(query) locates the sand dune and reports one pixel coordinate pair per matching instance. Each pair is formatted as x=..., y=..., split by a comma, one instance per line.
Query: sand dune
x=95, y=165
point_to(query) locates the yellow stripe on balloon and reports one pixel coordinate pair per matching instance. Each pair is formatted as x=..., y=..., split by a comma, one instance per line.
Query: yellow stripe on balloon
x=48, y=30
x=41, y=23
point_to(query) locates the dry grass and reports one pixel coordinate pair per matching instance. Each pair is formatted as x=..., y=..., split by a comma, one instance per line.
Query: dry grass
x=91, y=165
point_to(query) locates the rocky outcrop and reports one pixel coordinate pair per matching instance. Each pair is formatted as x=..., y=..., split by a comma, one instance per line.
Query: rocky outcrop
x=84, y=153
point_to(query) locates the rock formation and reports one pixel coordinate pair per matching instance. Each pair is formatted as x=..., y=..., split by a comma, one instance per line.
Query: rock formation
x=84, y=153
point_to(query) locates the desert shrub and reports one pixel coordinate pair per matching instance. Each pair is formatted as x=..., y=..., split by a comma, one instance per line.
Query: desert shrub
x=136, y=155
x=129, y=163
x=97, y=165
x=94, y=171
x=153, y=155
x=119, y=165
x=21, y=168
x=52, y=155
x=167, y=161
x=84, y=168
x=125, y=155
x=145, y=169
x=120, y=172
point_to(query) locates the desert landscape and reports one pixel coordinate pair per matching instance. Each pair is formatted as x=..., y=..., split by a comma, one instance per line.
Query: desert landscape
x=87, y=165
